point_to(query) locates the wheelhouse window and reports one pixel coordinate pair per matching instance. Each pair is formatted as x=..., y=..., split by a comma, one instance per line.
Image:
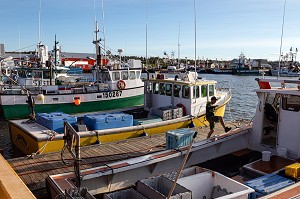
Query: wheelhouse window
x=162, y=89
x=138, y=74
x=169, y=89
x=291, y=103
x=46, y=74
x=177, y=89
x=124, y=75
x=37, y=74
x=132, y=75
x=196, y=92
x=115, y=76
x=211, y=89
x=155, y=88
x=186, y=92
x=204, y=91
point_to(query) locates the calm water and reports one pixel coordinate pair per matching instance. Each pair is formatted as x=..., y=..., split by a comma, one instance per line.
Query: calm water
x=241, y=106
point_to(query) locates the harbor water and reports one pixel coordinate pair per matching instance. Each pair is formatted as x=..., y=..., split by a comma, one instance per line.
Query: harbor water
x=241, y=106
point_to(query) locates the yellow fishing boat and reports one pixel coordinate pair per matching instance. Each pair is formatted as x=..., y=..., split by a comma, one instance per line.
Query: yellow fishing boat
x=169, y=103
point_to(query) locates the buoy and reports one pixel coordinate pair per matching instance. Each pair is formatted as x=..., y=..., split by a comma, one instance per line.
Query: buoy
x=40, y=97
x=77, y=102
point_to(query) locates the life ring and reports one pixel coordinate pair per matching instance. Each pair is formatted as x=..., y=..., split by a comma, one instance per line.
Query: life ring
x=183, y=109
x=121, y=85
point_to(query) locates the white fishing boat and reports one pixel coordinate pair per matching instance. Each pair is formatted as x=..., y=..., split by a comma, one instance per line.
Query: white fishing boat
x=51, y=87
x=286, y=72
x=170, y=103
x=274, y=133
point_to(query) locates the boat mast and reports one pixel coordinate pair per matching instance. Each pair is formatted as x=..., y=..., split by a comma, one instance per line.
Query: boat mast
x=39, y=25
x=179, y=47
x=146, y=62
x=282, y=27
x=103, y=28
x=195, y=65
x=98, y=51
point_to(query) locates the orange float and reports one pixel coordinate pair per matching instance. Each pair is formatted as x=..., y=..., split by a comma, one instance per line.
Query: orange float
x=77, y=102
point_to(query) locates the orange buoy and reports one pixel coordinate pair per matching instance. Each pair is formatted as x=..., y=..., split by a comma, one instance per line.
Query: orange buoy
x=77, y=102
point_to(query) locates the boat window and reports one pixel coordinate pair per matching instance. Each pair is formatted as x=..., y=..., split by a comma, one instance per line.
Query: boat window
x=105, y=77
x=138, y=74
x=186, y=92
x=291, y=103
x=204, y=91
x=177, y=89
x=131, y=75
x=162, y=89
x=22, y=73
x=115, y=75
x=196, y=92
x=211, y=90
x=37, y=74
x=124, y=75
x=46, y=74
x=155, y=88
x=169, y=89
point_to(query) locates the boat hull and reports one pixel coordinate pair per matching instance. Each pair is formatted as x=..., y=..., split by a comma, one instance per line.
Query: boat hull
x=30, y=142
x=17, y=110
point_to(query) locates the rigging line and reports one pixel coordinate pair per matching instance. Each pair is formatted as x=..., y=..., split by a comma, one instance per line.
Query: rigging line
x=282, y=28
x=25, y=47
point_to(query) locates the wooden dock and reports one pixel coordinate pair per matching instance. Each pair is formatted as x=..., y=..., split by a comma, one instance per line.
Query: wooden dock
x=34, y=170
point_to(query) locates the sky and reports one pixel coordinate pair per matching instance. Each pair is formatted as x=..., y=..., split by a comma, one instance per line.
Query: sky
x=224, y=28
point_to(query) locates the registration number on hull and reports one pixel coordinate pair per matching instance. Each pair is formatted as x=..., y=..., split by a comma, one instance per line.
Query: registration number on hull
x=112, y=94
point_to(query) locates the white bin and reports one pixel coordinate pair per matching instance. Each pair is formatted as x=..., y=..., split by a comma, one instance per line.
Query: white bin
x=266, y=156
x=282, y=152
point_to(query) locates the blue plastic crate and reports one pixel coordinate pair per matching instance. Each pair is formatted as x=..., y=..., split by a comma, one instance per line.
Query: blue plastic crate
x=178, y=138
x=55, y=121
x=107, y=120
x=268, y=184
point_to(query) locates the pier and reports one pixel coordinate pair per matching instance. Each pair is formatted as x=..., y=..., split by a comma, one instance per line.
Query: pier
x=34, y=170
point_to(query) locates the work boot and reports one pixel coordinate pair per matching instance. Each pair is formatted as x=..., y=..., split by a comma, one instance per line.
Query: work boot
x=227, y=129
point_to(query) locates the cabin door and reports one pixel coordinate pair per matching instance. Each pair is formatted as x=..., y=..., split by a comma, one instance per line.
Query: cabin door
x=289, y=124
x=270, y=120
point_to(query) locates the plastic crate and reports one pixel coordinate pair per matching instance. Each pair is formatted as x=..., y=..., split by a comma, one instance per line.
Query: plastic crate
x=293, y=170
x=107, y=120
x=55, y=121
x=268, y=184
x=164, y=112
x=178, y=138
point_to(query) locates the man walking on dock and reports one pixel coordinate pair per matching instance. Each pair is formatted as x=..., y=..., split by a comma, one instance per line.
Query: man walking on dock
x=211, y=118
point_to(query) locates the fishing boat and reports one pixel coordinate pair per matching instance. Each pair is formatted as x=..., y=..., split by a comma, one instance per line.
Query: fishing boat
x=247, y=67
x=110, y=89
x=51, y=87
x=258, y=159
x=286, y=72
x=169, y=103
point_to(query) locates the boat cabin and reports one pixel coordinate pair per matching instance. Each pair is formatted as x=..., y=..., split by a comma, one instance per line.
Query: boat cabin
x=184, y=90
x=276, y=125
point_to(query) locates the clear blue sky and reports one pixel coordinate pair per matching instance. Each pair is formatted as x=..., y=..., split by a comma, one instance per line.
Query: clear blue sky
x=224, y=27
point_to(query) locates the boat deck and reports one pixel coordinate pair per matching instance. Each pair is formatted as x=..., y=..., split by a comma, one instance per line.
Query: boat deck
x=34, y=170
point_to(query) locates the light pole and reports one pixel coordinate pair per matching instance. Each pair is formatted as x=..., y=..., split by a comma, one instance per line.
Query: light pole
x=185, y=62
